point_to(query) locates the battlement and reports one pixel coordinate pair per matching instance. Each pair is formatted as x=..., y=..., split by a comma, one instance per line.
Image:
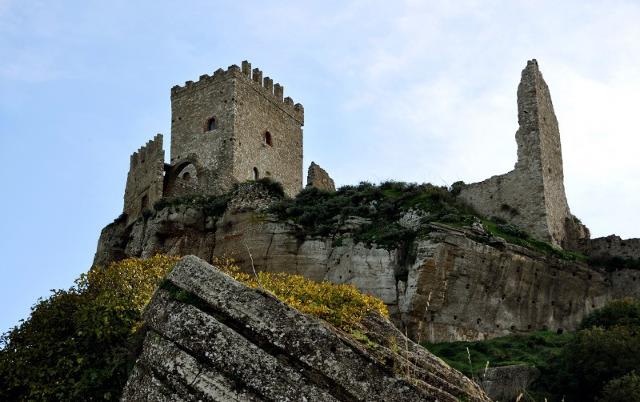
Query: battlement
x=145, y=179
x=266, y=86
x=146, y=152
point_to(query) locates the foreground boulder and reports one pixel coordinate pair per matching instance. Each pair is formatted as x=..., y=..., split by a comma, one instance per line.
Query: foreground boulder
x=211, y=338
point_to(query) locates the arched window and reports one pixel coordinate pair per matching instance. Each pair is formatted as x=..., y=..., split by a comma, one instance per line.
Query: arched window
x=212, y=124
x=256, y=174
x=186, y=176
x=144, y=203
x=267, y=138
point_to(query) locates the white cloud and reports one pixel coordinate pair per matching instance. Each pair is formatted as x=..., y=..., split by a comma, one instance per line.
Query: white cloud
x=440, y=83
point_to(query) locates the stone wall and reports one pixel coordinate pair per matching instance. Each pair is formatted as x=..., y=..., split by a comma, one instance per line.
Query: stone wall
x=257, y=133
x=145, y=179
x=193, y=143
x=268, y=132
x=532, y=195
x=614, y=246
x=319, y=178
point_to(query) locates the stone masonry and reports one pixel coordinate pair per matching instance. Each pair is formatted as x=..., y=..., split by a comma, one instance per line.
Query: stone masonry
x=145, y=178
x=232, y=127
x=614, y=246
x=532, y=195
x=319, y=178
x=226, y=128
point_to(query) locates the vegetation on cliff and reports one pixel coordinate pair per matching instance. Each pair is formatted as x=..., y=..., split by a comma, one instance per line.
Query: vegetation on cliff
x=379, y=209
x=598, y=362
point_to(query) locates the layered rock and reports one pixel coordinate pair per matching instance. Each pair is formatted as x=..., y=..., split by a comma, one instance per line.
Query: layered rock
x=507, y=383
x=451, y=284
x=211, y=338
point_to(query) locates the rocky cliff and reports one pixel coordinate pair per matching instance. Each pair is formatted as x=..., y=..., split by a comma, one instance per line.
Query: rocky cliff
x=211, y=338
x=449, y=283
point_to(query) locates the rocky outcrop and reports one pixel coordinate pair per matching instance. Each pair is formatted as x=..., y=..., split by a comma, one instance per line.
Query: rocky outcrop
x=506, y=383
x=211, y=338
x=450, y=284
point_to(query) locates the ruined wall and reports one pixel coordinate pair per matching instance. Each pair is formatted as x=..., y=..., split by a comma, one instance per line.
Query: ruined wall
x=532, y=195
x=319, y=178
x=268, y=131
x=193, y=142
x=256, y=133
x=145, y=179
x=614, y=246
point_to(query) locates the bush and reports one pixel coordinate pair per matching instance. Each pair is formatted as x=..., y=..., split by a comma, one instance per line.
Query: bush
x=322, y=213
x=596, y=356
x=623, y=389
x=272, y=187
x=210, y=205
x=624, y=312
x=343, y=306
x=79, y=344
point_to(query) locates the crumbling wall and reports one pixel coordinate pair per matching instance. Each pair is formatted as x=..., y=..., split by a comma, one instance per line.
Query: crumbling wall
x=319, y=178
x=145, y=179
x=614, y=246
x=532, y=195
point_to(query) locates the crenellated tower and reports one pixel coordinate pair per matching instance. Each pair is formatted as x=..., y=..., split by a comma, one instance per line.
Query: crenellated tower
x=231, y=127
x=145, y=179
x=226, y=128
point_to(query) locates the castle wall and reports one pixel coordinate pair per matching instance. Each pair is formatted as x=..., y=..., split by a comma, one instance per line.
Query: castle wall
x=246, y=106
x=532, y=195
x=145, y=179
x=192, y=106
x=319, y=178
x=614, y=246
x=262, y=113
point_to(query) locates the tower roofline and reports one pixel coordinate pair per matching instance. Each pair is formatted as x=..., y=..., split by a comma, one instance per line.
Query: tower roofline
x=264, y=86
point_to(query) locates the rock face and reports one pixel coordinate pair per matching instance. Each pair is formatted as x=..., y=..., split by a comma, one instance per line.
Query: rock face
x=454, y=284
x=211, y=338
x=508, y=382
x=532, y=195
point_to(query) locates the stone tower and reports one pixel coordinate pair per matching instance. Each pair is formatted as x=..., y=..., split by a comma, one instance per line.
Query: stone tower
x=532, y=195
x=232, y=127
x=145, y=180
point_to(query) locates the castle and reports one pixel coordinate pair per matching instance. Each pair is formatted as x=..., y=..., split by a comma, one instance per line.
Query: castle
x=226, y=128
x=236, y=126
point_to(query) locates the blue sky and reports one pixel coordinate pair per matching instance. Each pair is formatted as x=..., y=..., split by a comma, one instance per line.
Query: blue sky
x=420, y=91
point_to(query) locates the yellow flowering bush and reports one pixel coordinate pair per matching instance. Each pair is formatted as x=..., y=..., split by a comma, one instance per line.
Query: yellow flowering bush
x=343, y=306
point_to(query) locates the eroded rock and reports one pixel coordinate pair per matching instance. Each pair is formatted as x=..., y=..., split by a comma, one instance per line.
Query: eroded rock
x=211, y=338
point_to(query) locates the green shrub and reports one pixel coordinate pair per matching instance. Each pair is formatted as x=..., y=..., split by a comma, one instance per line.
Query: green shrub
x=623, y=389
x=79, y=344
x=624, y=312
x=322, y=213
x=210, y=205
x=596, y=356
